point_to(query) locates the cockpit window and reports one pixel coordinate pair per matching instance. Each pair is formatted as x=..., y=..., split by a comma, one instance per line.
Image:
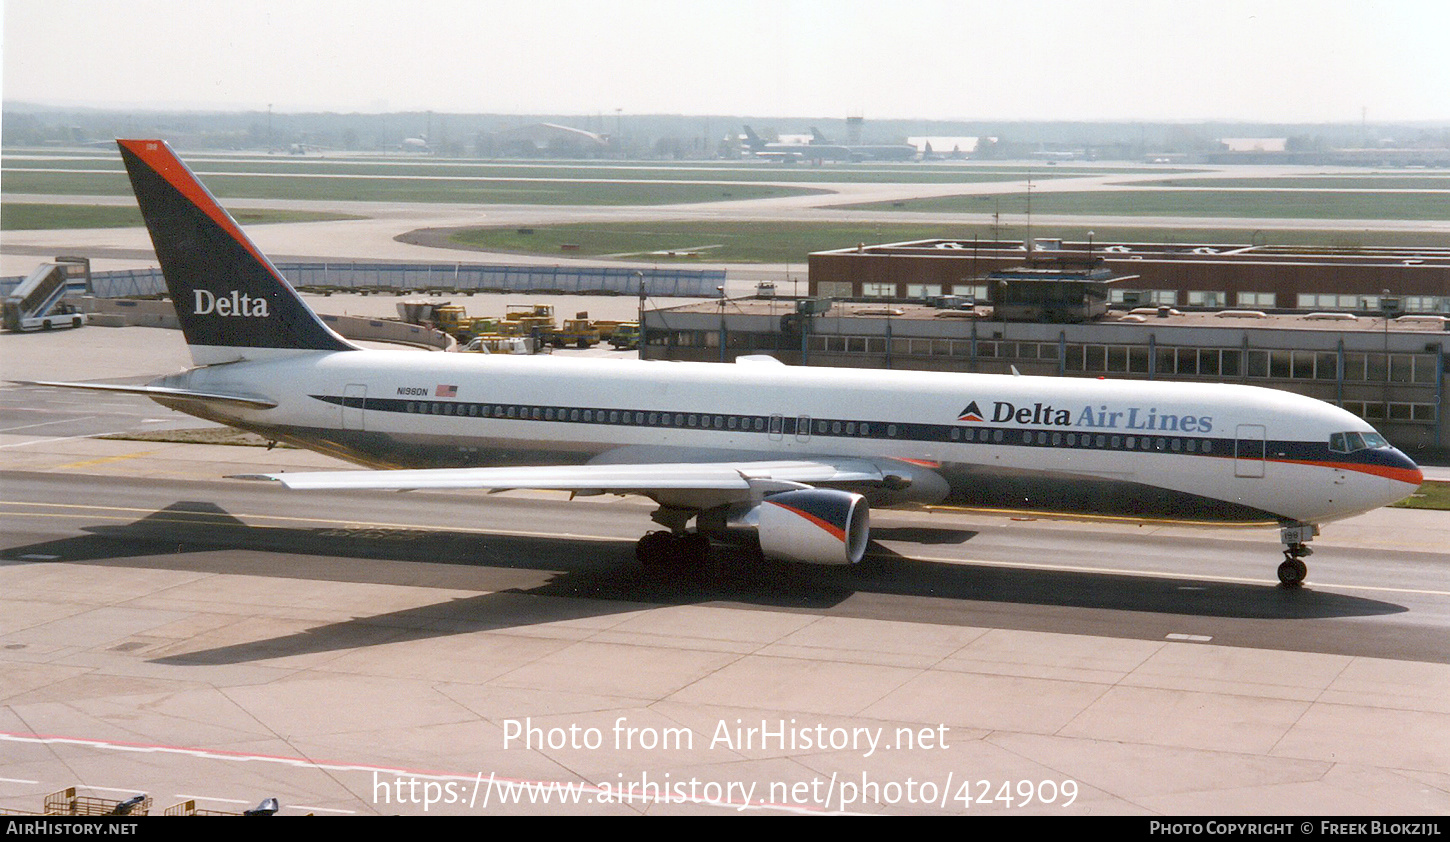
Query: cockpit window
x=1350, y=442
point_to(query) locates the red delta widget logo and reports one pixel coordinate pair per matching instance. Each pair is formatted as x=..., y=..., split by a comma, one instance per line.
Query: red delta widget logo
x=1100, y=417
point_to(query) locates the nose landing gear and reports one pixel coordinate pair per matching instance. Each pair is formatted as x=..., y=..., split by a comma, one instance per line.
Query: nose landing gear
x=1293, y=571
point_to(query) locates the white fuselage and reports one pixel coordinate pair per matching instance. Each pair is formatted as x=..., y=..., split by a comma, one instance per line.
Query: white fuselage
x=1198, y=452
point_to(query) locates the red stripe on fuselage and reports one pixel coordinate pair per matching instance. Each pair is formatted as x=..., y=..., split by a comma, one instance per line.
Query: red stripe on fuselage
x=1406, y=475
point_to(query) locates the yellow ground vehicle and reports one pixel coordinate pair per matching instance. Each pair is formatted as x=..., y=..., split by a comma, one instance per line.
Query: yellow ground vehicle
x=527, y=317
x=578, y=333
x=450, y=318
x=625, y=336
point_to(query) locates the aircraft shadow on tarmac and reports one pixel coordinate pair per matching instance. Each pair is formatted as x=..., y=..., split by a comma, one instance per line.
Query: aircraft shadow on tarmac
x=599, y=578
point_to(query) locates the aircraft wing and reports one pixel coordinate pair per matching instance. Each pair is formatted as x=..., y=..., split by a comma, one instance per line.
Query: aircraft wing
x=764, y=476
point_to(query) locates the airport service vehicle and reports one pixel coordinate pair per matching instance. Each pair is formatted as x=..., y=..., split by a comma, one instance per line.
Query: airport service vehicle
x=37, y=303
x=576, y=333
x=625, y=336
x=790, y=459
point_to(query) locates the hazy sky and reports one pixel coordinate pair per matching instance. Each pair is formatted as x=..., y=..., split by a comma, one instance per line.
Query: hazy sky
x=1264, y=60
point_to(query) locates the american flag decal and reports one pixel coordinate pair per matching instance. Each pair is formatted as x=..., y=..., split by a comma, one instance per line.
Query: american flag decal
x=446, y=392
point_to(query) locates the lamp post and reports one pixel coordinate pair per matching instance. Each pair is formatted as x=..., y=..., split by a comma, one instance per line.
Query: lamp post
x=641, y=349
x=721, y=290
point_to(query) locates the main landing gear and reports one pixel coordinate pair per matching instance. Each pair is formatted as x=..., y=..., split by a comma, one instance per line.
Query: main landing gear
x=1294, y=571
x=660, y=551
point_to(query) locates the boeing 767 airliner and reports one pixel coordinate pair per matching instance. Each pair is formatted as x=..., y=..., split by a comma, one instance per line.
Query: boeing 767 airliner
x=787, y=458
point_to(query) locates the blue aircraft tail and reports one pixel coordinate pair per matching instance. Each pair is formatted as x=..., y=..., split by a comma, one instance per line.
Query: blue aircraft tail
x=231, y=301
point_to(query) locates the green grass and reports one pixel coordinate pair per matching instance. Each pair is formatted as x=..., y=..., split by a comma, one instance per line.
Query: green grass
x=404, y=189
x=199, y=435
x=744, y=172
x=731, y=242
x=30, y=217
x=1321, y=182
x=1289, y=204
x=713, y=170
x=1432, y=495
x=787, y=242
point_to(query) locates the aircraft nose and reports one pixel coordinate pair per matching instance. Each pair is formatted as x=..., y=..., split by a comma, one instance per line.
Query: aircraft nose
x=1412, y=473
x=1403, y=476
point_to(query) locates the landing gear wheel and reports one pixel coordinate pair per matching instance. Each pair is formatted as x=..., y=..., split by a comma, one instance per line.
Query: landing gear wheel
x=654, y=550
x=1293, y=571
x=660, y=551
x=693, y=548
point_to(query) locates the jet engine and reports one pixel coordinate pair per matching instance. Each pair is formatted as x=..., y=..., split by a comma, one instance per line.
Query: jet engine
x=809, y=525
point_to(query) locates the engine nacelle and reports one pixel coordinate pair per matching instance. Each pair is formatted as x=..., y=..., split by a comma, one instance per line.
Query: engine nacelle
x=811, y=525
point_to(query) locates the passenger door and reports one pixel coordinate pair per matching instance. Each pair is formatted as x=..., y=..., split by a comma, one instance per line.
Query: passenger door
x=354, y=396
x=1249, y=451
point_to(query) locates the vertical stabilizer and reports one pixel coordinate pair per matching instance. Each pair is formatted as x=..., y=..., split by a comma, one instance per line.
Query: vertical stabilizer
x=232, y=302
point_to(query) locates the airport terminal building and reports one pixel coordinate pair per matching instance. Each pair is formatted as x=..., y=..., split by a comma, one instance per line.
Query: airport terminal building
x=1391, y=372
x=1200, y=276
